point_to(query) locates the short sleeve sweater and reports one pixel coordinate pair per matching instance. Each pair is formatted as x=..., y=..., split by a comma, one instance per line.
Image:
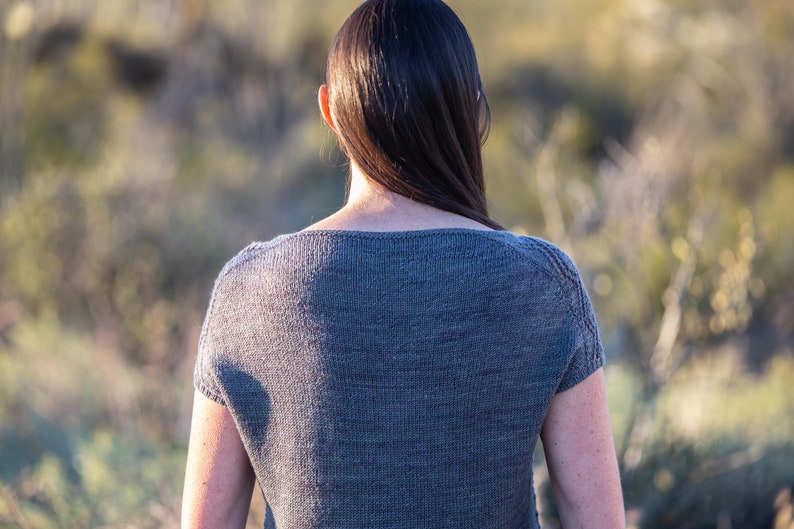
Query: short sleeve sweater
x=396, y=380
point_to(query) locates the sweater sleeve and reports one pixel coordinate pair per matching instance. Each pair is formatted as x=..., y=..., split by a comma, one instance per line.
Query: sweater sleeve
x=205, y=373
x=587, y=355
x=217, y=342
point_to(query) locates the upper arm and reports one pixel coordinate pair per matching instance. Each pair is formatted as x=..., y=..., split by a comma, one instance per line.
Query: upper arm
x=219, y=479
x=580, y=455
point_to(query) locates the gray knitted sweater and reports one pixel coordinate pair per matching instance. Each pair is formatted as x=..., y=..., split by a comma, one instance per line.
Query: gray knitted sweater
x=399, y=379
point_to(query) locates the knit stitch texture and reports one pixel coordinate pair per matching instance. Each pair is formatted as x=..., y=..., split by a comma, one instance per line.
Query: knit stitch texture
x=396, y=380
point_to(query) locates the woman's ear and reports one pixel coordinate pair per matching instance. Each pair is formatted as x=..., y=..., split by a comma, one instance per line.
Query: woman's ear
x=325, y=109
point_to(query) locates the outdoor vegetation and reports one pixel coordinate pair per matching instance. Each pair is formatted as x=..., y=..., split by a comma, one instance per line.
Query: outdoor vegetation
x=145, y=142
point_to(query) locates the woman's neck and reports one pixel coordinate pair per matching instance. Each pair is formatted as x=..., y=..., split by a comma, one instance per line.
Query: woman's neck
x=370, y=207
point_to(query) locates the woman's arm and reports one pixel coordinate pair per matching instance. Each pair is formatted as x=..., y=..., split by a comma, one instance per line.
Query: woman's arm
x=580, y=455
x=219, y=479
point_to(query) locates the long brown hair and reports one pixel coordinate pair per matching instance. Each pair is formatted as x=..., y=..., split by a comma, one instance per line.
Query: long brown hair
x=407, y=100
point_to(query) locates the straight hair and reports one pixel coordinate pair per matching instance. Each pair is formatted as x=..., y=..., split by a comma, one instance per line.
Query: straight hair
x=406, y=96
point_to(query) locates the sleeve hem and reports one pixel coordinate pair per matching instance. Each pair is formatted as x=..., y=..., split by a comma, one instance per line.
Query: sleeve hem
x=597, y=361
x=209, y=392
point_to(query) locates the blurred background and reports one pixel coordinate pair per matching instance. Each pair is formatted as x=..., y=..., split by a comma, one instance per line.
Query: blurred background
x=145, y=142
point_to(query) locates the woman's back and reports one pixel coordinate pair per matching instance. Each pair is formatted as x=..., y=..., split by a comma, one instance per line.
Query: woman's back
x=396, y=379
x=393, y=366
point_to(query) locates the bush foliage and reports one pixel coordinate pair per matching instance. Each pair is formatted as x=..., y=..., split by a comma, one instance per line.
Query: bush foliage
x=142, y=143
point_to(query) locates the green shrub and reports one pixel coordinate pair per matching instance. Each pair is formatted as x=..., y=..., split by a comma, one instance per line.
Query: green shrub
x=702, y=490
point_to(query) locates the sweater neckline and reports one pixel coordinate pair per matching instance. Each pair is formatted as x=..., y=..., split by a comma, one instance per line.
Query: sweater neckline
x=394, y=234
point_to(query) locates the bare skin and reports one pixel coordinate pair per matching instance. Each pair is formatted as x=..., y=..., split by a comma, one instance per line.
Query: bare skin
x=580, y=455
x=219, y=480
x=371, y=208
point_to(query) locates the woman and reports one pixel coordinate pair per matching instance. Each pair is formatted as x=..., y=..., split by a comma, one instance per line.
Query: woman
x=393, y=365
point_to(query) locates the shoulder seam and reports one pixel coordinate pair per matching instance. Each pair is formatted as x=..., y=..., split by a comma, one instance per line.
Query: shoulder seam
x=249, y=253
x=573, y=279
x=565, y=286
